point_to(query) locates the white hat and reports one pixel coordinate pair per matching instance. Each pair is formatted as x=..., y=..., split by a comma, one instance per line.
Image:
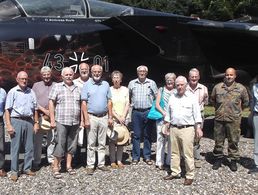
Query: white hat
x=112, y=134
x=123, y=134
x=44, y=124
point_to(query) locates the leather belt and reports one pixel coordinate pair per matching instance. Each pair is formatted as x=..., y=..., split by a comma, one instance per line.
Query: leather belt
x=25, y=118
x=182, y=126
x=141, y=109
x=99, y=115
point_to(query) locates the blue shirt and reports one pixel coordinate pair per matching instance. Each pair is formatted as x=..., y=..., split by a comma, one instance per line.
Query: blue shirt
x=142, y=94
x=21, y=103
x=2, y=101
x=255, y=97
x=96, y=95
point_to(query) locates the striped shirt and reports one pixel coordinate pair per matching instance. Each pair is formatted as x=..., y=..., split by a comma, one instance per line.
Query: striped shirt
x=166, y=94
x=142, y=94
x=67, y=101
x=255, y=98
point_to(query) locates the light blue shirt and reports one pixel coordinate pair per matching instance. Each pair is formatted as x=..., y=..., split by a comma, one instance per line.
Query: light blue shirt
x=21, y=103
x=2, y=101
x=96, y=95
x=254, y=105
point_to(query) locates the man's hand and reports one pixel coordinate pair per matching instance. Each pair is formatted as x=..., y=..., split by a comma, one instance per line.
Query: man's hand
x=36, y=128
x=199, y=132
x=10, y=129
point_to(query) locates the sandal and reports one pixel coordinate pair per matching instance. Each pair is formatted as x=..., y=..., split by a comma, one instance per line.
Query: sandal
x=71, y=171
x=57, y=174
x=120, y=165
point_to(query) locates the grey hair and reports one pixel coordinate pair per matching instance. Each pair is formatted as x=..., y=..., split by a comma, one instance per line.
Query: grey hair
x=170, y=75
x=115, y=72
x=97, y=65
x=45, y=69
x=194, y=70
x=181, y=78
x=65, y=69
x=142, y=66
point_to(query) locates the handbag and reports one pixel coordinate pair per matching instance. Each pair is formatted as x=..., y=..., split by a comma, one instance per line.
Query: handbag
x=154, y=114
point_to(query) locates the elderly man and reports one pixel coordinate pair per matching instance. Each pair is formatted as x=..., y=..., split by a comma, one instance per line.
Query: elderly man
x=228, y=98
x=84, y=77
x=42, y=90
x=21, y=118
x=2, y=131
x=142, y=92
x=183, y=120
x=97, y=111
x=65, y=116
x=201, y=93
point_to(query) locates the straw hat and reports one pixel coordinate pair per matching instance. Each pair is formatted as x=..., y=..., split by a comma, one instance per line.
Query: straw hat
x=123, y=134
x=44, y=124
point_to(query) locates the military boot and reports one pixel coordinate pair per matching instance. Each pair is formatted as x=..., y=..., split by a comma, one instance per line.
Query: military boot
x=217, y=164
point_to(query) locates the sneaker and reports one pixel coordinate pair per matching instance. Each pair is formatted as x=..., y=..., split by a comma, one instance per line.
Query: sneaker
x=90, y=171
x=135, y=162
x=103, y=168
x=14, y=178
x=197, y=163
x=30, y=173
x=148, y=162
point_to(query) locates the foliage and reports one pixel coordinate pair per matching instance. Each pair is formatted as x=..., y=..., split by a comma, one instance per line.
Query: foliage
x=210, y=9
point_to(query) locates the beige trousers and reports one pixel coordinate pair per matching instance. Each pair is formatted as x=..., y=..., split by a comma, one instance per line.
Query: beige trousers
x=182, y=145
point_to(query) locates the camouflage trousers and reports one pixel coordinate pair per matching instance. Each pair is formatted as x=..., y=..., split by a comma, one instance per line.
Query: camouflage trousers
x=231, y=131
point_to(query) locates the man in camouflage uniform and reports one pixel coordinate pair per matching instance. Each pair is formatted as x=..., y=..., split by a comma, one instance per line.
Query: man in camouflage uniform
x=228, y=97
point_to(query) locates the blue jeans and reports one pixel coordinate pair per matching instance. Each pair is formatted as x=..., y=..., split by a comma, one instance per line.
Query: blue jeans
x=255, y=125
x=23, y=136
x=141, y=124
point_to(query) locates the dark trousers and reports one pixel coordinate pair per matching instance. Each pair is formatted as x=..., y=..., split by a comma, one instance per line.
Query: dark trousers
x=2, y=140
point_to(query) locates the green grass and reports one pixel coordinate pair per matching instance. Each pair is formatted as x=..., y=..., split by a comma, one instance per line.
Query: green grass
x=209, y=111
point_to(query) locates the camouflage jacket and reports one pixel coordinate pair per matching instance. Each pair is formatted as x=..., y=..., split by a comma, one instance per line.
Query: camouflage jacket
x=229, y=101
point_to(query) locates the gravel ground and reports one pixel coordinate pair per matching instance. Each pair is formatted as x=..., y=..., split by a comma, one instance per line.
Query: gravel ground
x=143, y=179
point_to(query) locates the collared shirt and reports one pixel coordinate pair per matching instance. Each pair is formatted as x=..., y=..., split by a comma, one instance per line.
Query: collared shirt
x=183, y=110
x=254, y=104
x=79, y=82
x=2, y=101
x=228, y=101
x=21, y=103
x=67, y=101
x=142, y=94
x=120, y=98
x=201, y=93
x=96, y=94
x=42, y=92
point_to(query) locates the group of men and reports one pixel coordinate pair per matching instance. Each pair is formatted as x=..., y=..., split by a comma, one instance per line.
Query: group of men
x=86, y=103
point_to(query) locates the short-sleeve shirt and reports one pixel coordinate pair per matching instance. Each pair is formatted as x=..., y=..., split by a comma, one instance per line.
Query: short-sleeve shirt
x=228, y=101
x=67, y=100
x=142, y=93
x=255, y=98
x=21, y=103
x=2, y=100
x=120, y=98
x=42, y=92
x=96, y=94
x=183, y=110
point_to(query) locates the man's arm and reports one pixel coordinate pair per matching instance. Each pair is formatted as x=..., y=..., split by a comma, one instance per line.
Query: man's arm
x=36, y=121
x=85, y=115
x=110, y=115
x=51, y=105
x=8, y=124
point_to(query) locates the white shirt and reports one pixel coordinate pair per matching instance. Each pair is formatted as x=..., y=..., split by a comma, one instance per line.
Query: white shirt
x=184, y=110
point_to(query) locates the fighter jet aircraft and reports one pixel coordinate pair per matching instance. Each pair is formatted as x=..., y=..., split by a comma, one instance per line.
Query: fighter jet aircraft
x=59, y=33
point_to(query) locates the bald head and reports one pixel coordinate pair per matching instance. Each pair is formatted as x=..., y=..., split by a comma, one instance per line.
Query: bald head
x=230, y=76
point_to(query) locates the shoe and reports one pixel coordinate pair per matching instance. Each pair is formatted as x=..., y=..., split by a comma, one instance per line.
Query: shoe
x=30, y=173
x=197, y=163
x=217, y=164
x=161, y=167
x=120, y=165
x=253, y=171
x=188, y=182
x=135, y=162
x=103, y=168
x=71, y=171
x=57, y=174
x=3, y=173
x=114, y=166
x=90, y=171
x=233, y=165
x=170, y=177
x=148, y=162
x=14, y=178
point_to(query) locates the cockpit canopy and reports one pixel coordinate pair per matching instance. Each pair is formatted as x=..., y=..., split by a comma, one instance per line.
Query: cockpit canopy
x=11, y=9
